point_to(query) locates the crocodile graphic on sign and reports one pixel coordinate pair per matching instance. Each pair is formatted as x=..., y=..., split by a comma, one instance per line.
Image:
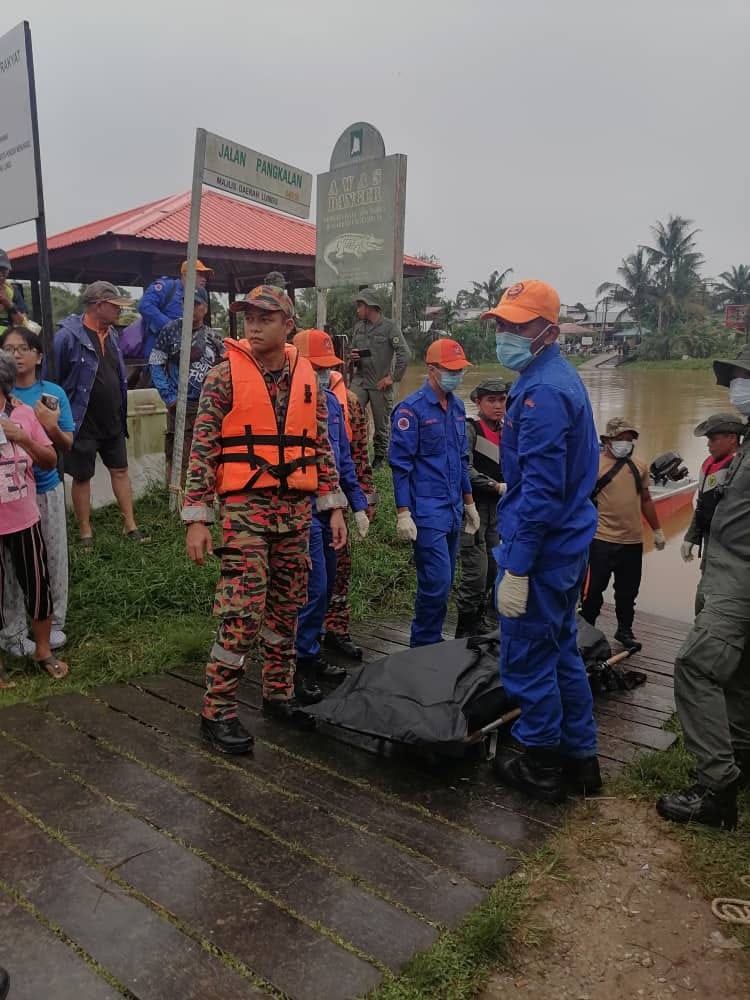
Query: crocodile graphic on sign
x=357, y=244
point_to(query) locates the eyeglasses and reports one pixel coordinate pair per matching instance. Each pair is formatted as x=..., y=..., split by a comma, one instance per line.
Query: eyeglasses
x=20, y=349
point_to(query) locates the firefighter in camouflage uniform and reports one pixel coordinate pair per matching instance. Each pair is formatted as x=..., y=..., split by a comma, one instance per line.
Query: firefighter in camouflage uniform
x=336, y=625
x=261, y=446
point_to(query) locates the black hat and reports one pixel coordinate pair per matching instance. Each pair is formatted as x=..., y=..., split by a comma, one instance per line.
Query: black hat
x=489, y=387
x=721, y=423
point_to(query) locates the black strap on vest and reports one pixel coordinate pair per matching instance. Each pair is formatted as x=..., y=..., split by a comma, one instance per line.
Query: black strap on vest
x=281, y=470
x=607, y=478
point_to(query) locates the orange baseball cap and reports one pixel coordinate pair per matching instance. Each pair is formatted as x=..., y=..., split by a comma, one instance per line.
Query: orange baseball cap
x=447, y=353
x=527, y=300
x=317, y=347
x=199, y=266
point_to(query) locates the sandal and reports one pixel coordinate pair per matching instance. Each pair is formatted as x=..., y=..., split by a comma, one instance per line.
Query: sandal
x=57, y=669
x=86, y=542
x=5, y=681
x=137, y=535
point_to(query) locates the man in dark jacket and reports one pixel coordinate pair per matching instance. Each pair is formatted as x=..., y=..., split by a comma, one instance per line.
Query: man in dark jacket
x=91, y=370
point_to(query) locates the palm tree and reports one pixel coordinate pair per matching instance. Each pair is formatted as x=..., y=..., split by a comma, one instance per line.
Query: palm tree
x=734, y=287
x=634, y=291
x=488, y=293
x=450, y=314
x=676, y=263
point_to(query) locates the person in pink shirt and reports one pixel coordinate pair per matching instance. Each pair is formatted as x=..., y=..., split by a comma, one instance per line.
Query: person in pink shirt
x=23, y=442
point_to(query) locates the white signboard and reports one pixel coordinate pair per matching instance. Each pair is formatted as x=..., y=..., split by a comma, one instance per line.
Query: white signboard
x=256, y=177
x=18, y=195
x=587, y=341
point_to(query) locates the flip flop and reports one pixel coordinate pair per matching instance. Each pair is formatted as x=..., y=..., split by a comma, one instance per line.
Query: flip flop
x=86, y=542
x=137, y=535
x=57, y=669
x=5, y=681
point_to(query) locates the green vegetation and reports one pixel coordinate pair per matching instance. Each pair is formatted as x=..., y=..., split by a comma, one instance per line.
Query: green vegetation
x=673, y=364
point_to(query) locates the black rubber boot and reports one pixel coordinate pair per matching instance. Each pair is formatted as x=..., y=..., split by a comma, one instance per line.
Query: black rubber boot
x=288, y=711
x=742, y=759
x=537, y=772
x=343, y=643
x=698, y=804
x=329, y=671
x=226, y=736
x=626, y=637
x=467, y=624
x=582, y=775
x=306, y=686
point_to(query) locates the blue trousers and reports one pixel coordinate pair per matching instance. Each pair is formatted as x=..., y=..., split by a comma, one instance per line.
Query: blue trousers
x=541, y=667
x=435, y=559
x=319, y=586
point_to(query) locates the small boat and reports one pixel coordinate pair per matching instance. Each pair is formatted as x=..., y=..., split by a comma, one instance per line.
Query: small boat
x=670, y=484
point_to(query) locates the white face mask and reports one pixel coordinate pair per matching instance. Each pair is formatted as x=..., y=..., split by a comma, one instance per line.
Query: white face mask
x=621, y=449
x=739, y=394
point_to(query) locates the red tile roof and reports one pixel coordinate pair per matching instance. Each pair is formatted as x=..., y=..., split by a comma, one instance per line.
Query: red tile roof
x=225, y=222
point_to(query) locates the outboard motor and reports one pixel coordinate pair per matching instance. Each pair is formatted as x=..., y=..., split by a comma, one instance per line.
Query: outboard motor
x=668, y=468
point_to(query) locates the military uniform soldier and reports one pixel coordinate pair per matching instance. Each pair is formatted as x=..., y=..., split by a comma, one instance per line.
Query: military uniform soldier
x=380, y=357
x=261, y=446
x=712, y=670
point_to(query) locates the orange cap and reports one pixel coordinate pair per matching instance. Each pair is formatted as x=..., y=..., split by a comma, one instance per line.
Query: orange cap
x=525, y=301
x=199, y=266
x=447, y=353
x=317, y=347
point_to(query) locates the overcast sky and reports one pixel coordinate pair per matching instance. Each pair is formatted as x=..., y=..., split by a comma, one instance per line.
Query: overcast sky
x=543, y=135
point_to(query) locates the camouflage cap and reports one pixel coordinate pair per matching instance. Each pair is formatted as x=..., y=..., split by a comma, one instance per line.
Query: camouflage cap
x=615, y=426
x=721, y=423
x=723, y=367
x=370, y=298
x=489, y=387
x=267, y=297
x=275, y=278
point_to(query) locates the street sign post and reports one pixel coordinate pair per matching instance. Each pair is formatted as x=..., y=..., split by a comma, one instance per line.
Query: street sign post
x=21, y=191
x=361, y=205
x=238, y=170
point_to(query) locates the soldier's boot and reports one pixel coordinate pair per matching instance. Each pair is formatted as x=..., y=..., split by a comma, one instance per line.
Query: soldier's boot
x=582, y=774
x=537, y=771
x=342, y=643
x=698, y=804
x=467, y=624
x=306, y=687
x=624, y=635
x=288, y=711
x=328, y=671
x=742, y=759
x=226, y=735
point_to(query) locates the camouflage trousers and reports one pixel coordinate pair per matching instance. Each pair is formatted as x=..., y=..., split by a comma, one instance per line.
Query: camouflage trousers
x=263, y=585
x=337, y=616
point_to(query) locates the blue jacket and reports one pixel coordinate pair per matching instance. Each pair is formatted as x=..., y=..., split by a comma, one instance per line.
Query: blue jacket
x=77, y=364
x=429, y=458
x=161, y=302
x=343, y=455
x=550, y=457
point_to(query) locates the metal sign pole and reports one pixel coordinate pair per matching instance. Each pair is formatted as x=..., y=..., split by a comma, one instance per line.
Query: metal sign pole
x=322, y=310
x=187, y=318
x=41, y=225
x=398, y=244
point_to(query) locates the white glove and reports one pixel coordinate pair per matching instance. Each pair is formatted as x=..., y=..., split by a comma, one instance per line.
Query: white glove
x=659, y=539
x=512, y=595
x=362, y=523
x=471, y=519
x=502, y=489
x=686, y=551
x=406, y=529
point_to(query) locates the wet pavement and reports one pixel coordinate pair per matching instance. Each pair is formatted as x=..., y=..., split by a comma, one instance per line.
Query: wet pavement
x=138, y=863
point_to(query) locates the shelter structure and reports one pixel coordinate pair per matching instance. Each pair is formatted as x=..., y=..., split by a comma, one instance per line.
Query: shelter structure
x=241, y=242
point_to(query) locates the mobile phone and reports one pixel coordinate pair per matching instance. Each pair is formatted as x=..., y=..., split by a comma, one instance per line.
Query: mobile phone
x=50, y=401
x=364, y=352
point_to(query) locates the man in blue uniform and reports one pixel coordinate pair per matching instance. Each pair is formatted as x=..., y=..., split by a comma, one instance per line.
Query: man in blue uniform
x=546, y=522
x=428, y=455
x=162, y=301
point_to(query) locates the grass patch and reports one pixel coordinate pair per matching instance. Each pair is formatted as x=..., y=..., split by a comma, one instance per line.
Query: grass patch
x=672, y=364
x=715, y=859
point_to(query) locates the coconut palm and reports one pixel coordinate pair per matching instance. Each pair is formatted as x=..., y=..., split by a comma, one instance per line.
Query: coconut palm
x=634, y=291
x=734, y=286
x=676, y=264
x=488, y=293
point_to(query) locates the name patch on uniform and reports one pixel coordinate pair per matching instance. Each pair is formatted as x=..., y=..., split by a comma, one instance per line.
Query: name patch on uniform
x=403, y=424
x=432, y=420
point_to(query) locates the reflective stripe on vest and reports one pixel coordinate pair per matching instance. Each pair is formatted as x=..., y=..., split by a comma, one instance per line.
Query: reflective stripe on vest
x=337, y=385
x=255, y=455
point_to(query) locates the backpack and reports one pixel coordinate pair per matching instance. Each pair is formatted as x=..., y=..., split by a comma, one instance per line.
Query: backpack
x=133, y=337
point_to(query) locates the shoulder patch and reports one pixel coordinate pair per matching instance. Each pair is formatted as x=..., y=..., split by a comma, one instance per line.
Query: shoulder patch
x=395, y=341
x=158, y=285
x=529, y=402
x=403, y=423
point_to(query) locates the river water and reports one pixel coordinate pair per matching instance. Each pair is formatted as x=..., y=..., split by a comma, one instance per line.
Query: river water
x=665, y=406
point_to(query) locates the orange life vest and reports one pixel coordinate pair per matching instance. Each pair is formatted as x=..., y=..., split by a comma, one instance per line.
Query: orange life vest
x=337, y=385
x=255, y=455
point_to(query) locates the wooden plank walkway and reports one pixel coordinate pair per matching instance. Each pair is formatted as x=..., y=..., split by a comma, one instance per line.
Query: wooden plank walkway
x=138, y=863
